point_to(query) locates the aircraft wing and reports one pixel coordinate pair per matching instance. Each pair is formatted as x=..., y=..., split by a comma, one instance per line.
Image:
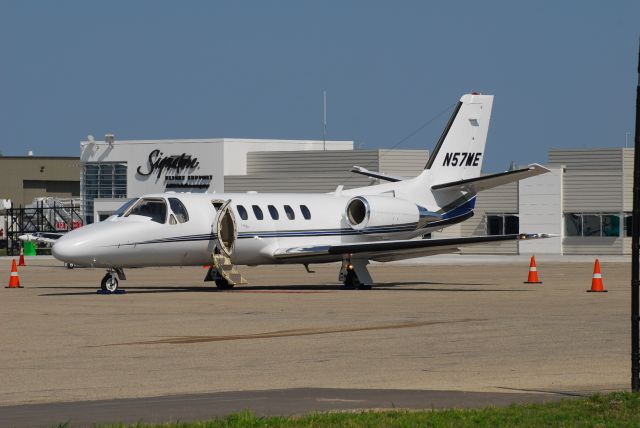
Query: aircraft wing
x=391, y=250
x=490, y=181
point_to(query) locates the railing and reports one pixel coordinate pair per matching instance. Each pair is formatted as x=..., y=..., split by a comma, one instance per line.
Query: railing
x=55, y=218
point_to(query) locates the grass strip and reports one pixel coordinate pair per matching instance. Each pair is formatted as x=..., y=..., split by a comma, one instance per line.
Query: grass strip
x=618, y=409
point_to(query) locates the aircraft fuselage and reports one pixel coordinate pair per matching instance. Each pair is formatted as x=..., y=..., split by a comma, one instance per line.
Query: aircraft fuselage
x=267, y=222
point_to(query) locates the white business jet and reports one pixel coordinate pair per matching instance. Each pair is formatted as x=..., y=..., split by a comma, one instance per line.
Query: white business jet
x=382, y=222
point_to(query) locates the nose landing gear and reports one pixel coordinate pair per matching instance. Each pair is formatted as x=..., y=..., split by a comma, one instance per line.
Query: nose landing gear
x=110, y=281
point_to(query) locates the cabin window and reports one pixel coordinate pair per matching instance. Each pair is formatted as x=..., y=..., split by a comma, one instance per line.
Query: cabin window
x=289, y=212
x=179, y=210
x=172, y=219
x=242, y=212
x=305, y=212
x=258, y=212
x=274, y=212
x=155, y=209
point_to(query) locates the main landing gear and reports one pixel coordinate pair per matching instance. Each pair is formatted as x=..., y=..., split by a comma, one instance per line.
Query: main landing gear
x=110, y=281
x=354, y=274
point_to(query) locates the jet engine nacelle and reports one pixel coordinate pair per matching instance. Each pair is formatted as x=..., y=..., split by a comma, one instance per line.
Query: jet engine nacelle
x=370, y=211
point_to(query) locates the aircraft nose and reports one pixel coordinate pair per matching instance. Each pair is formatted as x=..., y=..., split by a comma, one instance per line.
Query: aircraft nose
x=68, y=250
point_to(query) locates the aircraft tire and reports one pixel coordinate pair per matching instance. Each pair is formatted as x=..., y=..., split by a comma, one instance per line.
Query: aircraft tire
x=223, y=284
x=351, y=280
x=109, y=283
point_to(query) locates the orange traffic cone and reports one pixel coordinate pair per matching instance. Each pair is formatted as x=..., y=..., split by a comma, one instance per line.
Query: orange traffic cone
x=533, y=273
x=14, y=279
x=21, y=260
x=596, y=283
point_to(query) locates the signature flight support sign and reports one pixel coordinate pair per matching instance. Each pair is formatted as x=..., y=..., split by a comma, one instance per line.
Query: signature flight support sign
x=158, y=163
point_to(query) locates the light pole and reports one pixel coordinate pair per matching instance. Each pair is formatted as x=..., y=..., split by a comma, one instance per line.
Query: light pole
x=635, y=250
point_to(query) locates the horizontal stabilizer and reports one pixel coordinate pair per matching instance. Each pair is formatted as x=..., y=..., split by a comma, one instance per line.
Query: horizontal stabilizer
x=363, y=171
x=490, y=181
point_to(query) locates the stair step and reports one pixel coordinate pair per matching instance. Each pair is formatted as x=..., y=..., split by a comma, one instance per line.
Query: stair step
x=224, y=267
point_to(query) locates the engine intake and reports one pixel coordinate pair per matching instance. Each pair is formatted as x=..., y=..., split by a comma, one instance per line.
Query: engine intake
x=370, y=211
x=357, y=211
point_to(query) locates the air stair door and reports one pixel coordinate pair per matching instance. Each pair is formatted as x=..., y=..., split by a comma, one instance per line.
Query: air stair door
x=223, y=271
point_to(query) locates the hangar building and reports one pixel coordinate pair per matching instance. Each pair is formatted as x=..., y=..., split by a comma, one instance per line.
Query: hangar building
x=23, y=178
x=586, y=199
x=112, y=170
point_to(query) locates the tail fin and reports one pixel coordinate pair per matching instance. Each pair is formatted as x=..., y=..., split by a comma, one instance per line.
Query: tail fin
x=460, y=149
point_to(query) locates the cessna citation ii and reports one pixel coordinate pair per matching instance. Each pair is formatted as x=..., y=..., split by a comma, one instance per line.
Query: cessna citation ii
x=382, y=222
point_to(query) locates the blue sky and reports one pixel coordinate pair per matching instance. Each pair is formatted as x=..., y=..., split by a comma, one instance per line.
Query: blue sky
x=563, y=72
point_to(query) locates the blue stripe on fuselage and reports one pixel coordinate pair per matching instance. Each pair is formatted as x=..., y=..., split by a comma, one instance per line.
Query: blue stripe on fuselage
x=462, y=209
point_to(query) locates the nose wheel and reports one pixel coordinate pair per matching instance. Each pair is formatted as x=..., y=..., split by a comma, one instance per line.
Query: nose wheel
x=110, y=282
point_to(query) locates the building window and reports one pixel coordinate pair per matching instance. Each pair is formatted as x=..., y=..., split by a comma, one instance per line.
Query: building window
x=502, y=224
x=243, y=212
x=289, y=212
x=628, y=224
x=305, y=212
x=274, y=212
x=258, y=212
x=102, y=180
x=590, y=225
x=610, y=225
x=573, y=224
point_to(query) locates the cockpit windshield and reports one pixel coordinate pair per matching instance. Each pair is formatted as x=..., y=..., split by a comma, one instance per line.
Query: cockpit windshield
x=154, y=208
x=179, y=210
x=120, y=211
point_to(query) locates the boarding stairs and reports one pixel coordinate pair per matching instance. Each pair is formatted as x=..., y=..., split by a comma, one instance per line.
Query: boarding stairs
x=223, y=266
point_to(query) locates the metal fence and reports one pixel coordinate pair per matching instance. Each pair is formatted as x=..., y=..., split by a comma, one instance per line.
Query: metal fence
x=43, y=218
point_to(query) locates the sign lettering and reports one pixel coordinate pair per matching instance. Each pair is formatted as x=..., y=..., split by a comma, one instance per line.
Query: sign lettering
x=157, y=162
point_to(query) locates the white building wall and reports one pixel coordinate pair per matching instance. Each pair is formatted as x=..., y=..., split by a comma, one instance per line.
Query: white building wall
x=217, y=157
x=136, y=154
x=540, y=211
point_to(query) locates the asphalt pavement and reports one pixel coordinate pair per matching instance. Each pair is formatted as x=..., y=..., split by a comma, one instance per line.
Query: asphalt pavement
x=193, y=407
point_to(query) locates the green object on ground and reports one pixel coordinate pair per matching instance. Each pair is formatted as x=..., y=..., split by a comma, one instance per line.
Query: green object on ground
x=29, y=249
